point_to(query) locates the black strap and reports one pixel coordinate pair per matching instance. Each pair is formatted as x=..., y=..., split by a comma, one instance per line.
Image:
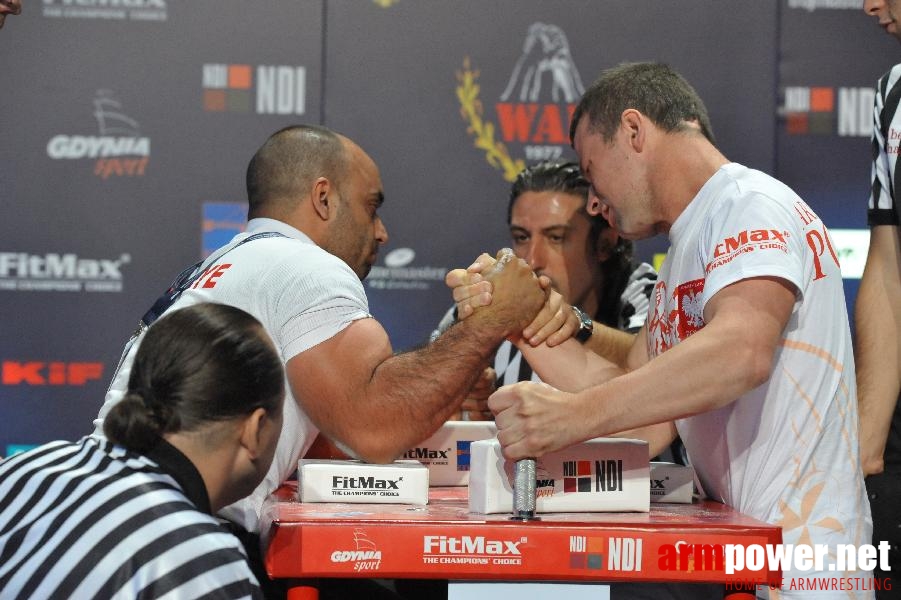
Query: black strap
x=187, y=278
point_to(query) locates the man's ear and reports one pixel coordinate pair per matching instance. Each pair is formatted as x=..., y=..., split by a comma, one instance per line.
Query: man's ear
x=635, y=126
x=252, y=433
x=322, y=201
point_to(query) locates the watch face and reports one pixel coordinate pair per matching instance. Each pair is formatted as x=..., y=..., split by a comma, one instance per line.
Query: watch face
x=585, y=325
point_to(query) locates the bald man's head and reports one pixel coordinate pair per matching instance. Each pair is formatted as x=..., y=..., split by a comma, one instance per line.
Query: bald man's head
x=287, y=165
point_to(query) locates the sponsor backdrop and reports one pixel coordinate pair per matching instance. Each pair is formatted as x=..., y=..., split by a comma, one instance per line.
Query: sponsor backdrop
x=127, y=126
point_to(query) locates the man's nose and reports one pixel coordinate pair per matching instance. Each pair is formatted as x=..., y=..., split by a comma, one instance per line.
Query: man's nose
x=537, y=254
x=381, y=232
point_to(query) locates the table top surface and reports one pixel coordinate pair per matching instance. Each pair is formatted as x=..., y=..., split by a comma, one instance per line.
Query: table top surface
x=672, y=542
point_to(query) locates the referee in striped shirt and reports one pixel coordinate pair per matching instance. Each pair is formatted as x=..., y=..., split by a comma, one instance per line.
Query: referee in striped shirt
x=132, y=517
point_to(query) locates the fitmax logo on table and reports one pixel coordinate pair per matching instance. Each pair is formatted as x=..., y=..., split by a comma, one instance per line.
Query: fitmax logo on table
x=119, y=149
x=473, y=550
x=264, y=89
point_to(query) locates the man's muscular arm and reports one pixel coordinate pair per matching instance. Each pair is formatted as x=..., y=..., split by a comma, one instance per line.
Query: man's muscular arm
x=877, y=314
x=377, y=404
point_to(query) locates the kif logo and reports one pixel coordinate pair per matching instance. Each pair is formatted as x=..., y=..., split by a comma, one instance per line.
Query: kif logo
x=49, y=373
x=842, y=111
x=606, y=475
x=533, y=110
x=265, y=90
x=119, y=150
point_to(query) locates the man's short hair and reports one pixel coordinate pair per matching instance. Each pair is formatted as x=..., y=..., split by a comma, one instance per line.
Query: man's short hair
x=653, y=89
x=288, y=163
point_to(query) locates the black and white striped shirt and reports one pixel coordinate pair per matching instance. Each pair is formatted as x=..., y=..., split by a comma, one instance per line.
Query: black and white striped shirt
x=92, y=520
x=882, y=209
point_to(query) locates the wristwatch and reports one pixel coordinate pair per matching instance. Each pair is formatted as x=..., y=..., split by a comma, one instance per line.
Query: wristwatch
x=586, y=325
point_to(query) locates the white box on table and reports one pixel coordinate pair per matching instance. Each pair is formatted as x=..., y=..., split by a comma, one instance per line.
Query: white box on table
x=354, y=481
x=671, y=482
x=600, y=475
x=447, y=452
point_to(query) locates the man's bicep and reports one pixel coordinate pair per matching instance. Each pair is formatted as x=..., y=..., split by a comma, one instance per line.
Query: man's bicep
x=759, y=306
x=328, y=379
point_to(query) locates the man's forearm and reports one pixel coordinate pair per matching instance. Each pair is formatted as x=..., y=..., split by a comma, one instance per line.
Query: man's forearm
x=421, y=389
x=612, y=344
x=569, y=367
x=877, y=315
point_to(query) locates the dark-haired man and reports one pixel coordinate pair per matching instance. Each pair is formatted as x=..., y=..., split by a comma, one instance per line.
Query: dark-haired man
x=747, y=350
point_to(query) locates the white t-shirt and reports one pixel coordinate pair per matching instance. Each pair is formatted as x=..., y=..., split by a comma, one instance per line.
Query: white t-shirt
x=302, y=295
x=785, y=452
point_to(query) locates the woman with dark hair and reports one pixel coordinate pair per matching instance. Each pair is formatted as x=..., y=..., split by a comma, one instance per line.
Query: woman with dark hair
x=131, y=515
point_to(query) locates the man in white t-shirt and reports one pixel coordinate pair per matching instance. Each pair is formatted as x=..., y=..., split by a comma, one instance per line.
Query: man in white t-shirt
x=313, y=234
x=747, y=350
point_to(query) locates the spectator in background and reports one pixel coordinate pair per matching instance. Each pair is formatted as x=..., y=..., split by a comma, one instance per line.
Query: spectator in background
x=877, y=311
x=587, y=263
x=131, y=516
x=9, y=7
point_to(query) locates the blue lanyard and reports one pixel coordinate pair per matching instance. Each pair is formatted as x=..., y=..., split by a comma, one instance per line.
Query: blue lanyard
x=184, y=280
x=187, y=278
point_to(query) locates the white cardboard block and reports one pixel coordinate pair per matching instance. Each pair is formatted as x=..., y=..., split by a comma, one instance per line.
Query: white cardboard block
x=671, y=482
x=447, y=452
x=401, y=482
x=600, y=475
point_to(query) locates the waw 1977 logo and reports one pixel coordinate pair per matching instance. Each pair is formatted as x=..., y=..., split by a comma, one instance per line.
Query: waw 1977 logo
x=532, y=113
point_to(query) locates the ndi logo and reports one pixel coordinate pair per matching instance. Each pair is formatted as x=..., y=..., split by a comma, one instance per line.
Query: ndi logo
x=843, y=111
x=268, y=89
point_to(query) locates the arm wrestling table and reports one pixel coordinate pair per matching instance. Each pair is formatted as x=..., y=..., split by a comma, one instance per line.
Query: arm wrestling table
x=444, y=540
